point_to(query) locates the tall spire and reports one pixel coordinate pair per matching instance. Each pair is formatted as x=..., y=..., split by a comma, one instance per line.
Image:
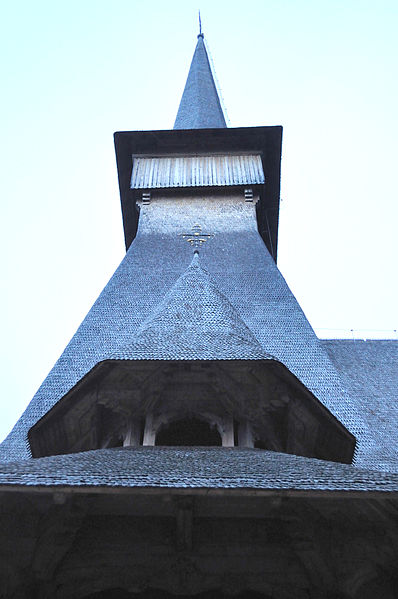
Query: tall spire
x=200, y=106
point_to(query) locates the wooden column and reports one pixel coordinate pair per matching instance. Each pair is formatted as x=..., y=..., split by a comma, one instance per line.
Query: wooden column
x=245, y=435
x=149, y=431
x=132, y=436
x=227, y=432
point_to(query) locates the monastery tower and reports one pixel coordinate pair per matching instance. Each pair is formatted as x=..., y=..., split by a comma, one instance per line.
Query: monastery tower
x=196, y=438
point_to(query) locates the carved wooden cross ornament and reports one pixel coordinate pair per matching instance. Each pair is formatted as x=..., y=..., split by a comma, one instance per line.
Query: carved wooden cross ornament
x=196, y=239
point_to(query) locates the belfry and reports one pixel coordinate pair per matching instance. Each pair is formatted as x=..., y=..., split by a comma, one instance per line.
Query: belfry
x=196, y=438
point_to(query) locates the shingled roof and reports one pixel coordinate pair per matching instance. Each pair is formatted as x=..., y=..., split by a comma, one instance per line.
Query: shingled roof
x=193, y=468
x=244, y=272
x=246, y=307
x=370, y=373
x=194, y=321
x=200, y=106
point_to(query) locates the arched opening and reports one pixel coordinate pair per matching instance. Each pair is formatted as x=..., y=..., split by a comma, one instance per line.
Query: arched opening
x=269, y=405
x=188, y=432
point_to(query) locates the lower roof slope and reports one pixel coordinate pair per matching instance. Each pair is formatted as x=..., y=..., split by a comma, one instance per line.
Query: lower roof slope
x=370, y=372
x=194, y=468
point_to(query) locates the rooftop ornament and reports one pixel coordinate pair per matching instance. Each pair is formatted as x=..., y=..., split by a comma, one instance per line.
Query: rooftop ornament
x=196, y=239
x=200, y=28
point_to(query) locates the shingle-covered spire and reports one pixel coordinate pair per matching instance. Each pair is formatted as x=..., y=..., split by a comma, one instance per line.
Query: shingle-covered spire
x=200, y=106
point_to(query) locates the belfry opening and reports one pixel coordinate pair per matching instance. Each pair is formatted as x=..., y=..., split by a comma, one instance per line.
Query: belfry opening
x=229, y=403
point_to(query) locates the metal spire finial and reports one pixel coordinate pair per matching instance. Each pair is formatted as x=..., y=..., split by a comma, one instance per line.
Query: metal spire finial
x=200, y=27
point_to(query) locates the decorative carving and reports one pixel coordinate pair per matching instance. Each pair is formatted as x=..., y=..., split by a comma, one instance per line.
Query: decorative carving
x=248, y=195
x=196, y=239
x=146, y=197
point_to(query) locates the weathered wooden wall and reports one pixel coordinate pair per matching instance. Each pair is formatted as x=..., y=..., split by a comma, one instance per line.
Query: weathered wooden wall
x=58, y=546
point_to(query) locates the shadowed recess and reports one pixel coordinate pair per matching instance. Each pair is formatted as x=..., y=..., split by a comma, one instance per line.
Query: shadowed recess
x=188, y=432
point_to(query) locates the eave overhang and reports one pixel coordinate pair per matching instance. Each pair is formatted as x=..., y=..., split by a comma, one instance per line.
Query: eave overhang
x=60, y=492
x=266, y=141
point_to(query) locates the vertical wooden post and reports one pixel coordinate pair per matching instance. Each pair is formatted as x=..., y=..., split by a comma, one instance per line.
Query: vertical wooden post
x=227, y=435
x=132, y=436
x=245, y=435
x=149, y=432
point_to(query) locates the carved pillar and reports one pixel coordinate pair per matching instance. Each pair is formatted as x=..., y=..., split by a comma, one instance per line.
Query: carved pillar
x=132, y=435
x=245, y=435
x=149, y=431
x=227, y=432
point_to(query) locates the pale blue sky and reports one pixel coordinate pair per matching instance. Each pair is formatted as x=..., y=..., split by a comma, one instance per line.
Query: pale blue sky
x=75, y=72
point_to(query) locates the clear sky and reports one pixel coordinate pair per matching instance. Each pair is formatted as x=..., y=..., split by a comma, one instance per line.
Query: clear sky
x=74, y=72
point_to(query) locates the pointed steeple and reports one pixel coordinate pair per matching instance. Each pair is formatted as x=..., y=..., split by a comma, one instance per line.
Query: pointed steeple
x=200, y=106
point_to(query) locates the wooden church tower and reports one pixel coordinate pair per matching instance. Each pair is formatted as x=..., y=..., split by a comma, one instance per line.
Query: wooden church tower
x=195, y=438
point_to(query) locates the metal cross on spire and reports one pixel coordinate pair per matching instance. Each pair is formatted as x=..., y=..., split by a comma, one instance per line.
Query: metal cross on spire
x=200, y=27
x=196, y=239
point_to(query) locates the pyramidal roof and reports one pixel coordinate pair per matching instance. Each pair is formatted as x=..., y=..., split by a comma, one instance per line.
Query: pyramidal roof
x=194, y=321
x=200, y=106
